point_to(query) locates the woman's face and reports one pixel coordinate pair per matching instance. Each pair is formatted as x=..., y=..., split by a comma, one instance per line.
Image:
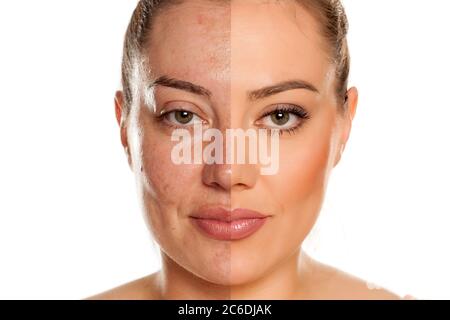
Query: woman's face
x=232, y=50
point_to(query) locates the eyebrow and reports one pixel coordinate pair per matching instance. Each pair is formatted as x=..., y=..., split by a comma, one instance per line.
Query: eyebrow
x=280, y=87
x=252, y=95
x=181, y=85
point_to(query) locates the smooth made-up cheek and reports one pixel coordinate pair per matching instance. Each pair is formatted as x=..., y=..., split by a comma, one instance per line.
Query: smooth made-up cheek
x=294, y=196
x=298, y=188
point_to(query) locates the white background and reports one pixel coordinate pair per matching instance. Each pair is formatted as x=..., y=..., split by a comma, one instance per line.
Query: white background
x=70, y=223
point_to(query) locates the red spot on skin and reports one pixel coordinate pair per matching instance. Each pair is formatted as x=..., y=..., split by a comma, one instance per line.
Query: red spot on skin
x=200, y=19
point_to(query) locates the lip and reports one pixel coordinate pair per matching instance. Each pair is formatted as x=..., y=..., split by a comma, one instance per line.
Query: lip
x=221, y=224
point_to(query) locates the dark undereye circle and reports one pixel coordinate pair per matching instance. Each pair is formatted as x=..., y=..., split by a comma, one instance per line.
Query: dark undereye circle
x=280, y=118
x=183, y=117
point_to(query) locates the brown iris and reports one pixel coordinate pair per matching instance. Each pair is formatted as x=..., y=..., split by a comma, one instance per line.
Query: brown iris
x=183, y=117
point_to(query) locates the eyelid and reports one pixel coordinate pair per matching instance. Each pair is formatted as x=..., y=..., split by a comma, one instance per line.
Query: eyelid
x=287, y=107
x=299, y=112
x=177, y=105
x=163, y=118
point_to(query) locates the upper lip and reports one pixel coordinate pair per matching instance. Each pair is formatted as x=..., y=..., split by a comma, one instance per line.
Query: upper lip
x=219, y=213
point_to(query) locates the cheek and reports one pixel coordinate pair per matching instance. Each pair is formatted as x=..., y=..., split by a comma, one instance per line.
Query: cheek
x=165, y=189
x=164, y=180
x=300, y=183
x=304, y=167
x=162, y=184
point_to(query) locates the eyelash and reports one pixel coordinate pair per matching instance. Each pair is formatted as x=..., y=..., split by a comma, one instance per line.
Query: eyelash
x=163, y=117
x=288, y=108
x=292, y=109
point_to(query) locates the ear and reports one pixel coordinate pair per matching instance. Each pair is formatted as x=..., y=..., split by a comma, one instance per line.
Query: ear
x=351, y=103
x=121, y=120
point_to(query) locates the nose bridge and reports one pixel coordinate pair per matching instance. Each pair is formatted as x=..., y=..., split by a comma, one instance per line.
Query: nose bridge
x=232, y=173
x=231, y=115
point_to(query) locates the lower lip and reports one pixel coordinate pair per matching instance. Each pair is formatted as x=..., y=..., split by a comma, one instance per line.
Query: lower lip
x=229, y=230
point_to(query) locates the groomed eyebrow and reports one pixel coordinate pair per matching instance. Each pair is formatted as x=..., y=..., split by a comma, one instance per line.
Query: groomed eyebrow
x=182, y=85
x=252, y=95
x=280, y=87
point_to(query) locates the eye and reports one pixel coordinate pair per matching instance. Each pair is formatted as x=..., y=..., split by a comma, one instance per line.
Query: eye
x=280, y=118
x=285, y=118
x=182, y=117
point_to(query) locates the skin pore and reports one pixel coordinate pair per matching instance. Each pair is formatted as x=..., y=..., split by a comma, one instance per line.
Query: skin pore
x=232, y=49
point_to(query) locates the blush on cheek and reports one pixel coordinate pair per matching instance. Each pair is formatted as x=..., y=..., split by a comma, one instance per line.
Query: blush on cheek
x=304, y=170
x=299, y=186
x=298, y=189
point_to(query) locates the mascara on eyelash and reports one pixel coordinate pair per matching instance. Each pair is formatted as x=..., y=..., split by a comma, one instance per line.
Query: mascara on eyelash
x=288, y=108
x=297, y=110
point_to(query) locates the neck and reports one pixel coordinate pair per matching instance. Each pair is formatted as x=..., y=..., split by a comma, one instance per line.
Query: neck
x=286, y=280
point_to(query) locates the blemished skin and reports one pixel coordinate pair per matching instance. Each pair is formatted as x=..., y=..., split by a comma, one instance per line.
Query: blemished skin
x=231, y=50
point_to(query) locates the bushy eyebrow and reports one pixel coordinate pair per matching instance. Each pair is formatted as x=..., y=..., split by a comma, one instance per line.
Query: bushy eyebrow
x=181, y=85
x=280, y=87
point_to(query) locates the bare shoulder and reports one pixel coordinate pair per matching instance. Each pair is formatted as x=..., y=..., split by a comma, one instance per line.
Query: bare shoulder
x=334, y=284
x=144, y=288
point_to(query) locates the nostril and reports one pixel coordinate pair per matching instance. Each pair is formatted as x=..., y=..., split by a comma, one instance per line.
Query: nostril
x=218, y=186
x=240, y=187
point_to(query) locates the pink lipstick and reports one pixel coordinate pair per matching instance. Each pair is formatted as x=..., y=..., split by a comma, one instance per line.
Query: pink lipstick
x=221, y=224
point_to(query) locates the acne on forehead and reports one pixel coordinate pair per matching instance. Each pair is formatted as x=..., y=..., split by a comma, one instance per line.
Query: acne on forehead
x=205, y=14
x=205, y=21
x=196, y=25
x=191, y=41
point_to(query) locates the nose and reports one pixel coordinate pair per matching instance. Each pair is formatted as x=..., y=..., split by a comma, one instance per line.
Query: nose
x=229, y=177
x=217, y=176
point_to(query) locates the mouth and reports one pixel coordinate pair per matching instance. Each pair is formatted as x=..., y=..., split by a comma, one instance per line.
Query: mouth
x=221, y=224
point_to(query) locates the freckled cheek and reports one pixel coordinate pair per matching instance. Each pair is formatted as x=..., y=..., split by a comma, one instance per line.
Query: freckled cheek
x=167, y=180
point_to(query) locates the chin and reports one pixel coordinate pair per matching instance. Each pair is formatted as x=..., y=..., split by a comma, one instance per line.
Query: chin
x=234, y=272
x=228, y=271
x=244, y=271
x=230, y=279
x=217, y=275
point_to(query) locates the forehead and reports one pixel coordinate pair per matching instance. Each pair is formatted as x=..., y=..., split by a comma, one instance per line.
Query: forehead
x=191, y=40
x=250, y=43
x=274, y=41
